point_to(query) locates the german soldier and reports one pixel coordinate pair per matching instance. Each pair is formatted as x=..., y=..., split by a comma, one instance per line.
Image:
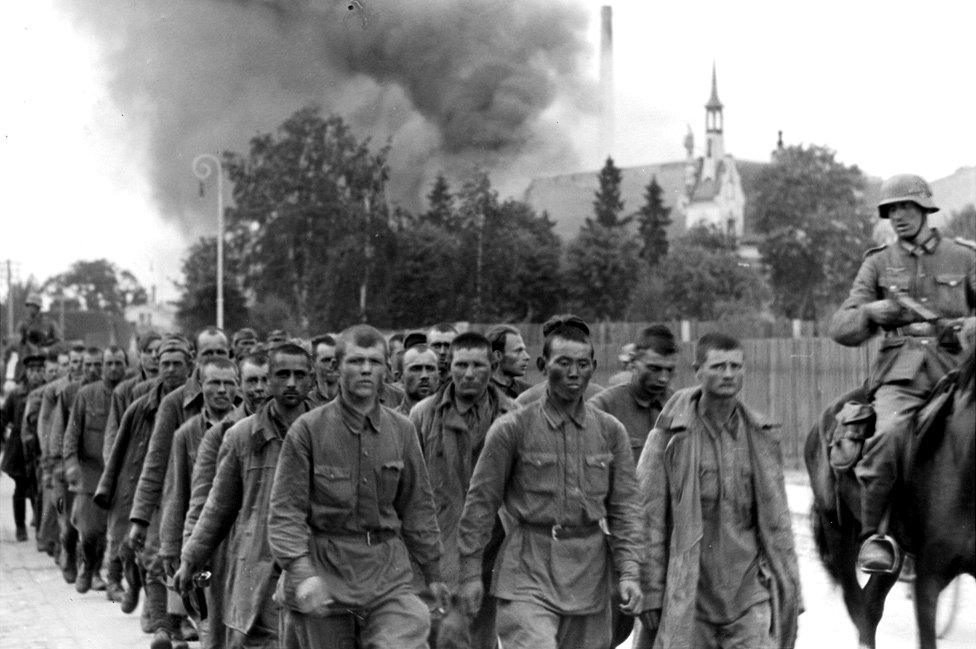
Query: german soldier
x=938, y=276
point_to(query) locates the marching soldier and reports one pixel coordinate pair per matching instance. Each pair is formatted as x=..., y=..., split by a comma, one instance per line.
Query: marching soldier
x=420, y=376
x=720, y=570
x=350, y=506
x=509, y=359
x=920, y=344
x=560, y=473
x=452, y=425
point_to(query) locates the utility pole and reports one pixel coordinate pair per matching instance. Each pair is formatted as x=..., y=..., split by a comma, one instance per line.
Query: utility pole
x=10, y=303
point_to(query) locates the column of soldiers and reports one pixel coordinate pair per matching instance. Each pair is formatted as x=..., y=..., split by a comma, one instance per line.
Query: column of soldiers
x=350, y=492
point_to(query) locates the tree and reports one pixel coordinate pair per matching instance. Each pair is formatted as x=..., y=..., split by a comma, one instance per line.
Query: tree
x=441, y=210
x=96, y=285
x=698, y=283
x=653, y=220
x=608, y=204
x=711, y=238
x=602, y=267
x=962, y=223
x=425, y=275
x=197, y=305
x=310, y=220
x=815, y=227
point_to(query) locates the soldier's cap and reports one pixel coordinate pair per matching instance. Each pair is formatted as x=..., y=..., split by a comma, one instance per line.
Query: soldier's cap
x=244, y=334
x=414, y=338
x=33, y=298
x=143, y=340
x=905, y=187
x=174, y=343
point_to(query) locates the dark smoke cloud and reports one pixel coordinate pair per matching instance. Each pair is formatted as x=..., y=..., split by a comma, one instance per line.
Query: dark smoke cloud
x=452, y=83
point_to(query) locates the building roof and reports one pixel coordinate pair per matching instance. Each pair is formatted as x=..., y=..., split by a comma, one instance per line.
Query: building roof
x=568, y=199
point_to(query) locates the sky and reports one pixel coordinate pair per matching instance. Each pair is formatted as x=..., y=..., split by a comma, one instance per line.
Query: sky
x=888, y=85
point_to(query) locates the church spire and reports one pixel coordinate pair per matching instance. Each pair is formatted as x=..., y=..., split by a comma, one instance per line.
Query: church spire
x=713, y=102
x=714, y=144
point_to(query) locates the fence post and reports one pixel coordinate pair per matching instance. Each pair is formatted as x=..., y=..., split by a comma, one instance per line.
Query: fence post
x=685, y=331
x=797, y=328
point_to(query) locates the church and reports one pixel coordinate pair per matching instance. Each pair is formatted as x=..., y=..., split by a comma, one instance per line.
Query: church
x=711, y=188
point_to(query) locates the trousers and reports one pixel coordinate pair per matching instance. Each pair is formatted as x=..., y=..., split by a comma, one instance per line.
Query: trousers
x=528, y=625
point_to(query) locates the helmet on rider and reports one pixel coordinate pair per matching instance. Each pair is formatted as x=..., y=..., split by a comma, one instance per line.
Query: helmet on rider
x=905, y=187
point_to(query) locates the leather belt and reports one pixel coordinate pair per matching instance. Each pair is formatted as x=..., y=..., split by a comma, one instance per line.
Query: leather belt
x=559, y=532
x=369, y=537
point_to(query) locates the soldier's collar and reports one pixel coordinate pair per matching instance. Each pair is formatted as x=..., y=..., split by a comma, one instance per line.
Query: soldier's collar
x=926, y=247
x=556, y=415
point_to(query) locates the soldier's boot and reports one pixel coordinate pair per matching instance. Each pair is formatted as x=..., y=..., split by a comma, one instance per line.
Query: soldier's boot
x=68, y=561
x=879, y=553
x=20, y=512
x=88, y=565
x=98, y=584
x=133, y=581
x=187, y=630
x=155, y=607
x=177, y=631
x=161, y=640
x=113, y=587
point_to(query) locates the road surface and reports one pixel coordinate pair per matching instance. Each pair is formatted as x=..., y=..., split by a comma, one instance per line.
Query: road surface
x=39, y=611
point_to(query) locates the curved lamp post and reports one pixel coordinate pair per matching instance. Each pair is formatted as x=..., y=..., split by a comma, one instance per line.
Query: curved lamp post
x=204, y=166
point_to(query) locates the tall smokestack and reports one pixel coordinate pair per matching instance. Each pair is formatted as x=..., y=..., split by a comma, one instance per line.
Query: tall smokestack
x=607, y=126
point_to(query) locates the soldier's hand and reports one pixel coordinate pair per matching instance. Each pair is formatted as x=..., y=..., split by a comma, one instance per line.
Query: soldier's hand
x=137, y=537
x=883, y=312
x=183, y=579
x=441, y=594
x=72, y=476
x=471, y=594
x=313, y=598
x=630, y=596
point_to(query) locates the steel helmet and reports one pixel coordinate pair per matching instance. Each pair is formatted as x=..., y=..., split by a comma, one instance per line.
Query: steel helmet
x=906, y=187
x=35, y=299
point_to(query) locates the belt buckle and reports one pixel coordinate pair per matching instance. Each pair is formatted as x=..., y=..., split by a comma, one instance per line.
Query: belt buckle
x=555, y=531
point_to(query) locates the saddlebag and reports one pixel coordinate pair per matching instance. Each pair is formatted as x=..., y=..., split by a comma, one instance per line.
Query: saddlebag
x=855, y=423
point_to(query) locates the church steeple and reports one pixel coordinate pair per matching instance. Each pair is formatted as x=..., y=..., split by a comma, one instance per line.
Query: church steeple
x=714, y=144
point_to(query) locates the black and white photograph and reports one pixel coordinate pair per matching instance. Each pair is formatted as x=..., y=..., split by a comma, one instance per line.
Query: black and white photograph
x=487, y=324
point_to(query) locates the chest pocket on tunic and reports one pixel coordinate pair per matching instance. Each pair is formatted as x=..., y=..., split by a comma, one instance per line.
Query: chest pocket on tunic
x=950, y=293
x=597, y=473
x=388, y=480
x=895, y=279
x=539, y=472
x=333, y=485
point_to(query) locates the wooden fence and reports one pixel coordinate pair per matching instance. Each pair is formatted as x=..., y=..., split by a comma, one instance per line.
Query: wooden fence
x=790, y=379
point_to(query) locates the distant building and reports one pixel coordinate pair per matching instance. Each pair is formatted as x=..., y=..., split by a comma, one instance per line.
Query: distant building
x=710, y=189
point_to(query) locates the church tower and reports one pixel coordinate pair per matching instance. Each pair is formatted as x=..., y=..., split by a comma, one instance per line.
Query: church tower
x=714, y=144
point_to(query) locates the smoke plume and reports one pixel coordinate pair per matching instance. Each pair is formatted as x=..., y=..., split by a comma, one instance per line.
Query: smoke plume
x=451, y=83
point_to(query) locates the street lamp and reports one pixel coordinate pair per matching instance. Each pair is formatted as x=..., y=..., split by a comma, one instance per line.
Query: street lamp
x=203, y=167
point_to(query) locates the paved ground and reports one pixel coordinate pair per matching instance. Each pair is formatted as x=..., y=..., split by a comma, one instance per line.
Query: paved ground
x=39, y=611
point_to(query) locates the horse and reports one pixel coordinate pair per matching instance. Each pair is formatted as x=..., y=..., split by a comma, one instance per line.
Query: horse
x=934, y=514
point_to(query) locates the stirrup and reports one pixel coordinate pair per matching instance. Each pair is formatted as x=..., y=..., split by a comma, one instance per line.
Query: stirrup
x=889, y=543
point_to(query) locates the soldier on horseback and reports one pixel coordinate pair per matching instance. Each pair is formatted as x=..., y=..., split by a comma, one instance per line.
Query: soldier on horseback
x=920, y=293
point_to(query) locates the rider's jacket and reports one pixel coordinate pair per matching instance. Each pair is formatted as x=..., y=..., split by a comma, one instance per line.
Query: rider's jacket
x=939, y=274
